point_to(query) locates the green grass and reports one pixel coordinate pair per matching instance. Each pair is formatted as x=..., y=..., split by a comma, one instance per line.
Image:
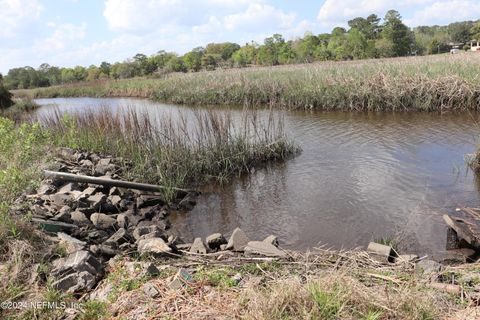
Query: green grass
x=440, y=82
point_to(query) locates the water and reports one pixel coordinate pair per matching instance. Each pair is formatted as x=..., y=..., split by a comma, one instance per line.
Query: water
x=360, y=176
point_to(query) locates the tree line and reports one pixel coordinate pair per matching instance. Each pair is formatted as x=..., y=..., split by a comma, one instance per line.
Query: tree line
x=365, y=38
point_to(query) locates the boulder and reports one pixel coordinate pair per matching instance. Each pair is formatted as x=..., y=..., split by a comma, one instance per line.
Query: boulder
x=154, y=246
x=103, y=221
x=381, y=252
x=238, y=240
x=78, y=272
x=119, y=237
x=97, y=200
x=64, y=215
x=69, y=187
x=214, y=241
x=272, y=240
x=198, y=246
x=79, y=218
x=147, y=230
x=61, y=199
x=264, y=248
x=70, y=243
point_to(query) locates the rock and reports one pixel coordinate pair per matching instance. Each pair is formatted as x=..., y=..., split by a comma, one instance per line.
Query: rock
x=149, y=201
x=86, y=164
x=97, y=200
x=152, y=230
x=119, y=237
x=272, y=240
x=46, y=188
x=97, y=236
x=181, y=278
x=237, y=278
x=89, y=191
x=79, y=218
x=64, y=215
x=198, y=246
x=61, y=199
x=69, y=187
x=214, y=241
x=103, y=221
x=115, y=200
x=380, y=252
x=103, y=169
x=150, y=290
x=70, y=243
x=80, y=271
x=264, y=249
x=188, y=202
x=427, y=266
x=107, y=250
x=155, y=246
x=122, y=220
x=238, y=241
x=40, y=211
x=223, y=247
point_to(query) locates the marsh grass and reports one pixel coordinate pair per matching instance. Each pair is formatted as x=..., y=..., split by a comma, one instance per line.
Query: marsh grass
x=176, y=150
x=443, y=82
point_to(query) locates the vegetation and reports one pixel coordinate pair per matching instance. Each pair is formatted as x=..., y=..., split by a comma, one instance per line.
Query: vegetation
x=5, y=96
x=448, y=82
x=366, y=38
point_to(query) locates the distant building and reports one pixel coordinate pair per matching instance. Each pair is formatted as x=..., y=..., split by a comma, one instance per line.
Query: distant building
x=475, y=45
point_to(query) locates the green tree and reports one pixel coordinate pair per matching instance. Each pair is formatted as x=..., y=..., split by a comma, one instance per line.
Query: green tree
x=356, y=44
x=193, y=59
x=306, y=47
x=397, y=33
x=475, y=31
x=268, y=53
x=245, y=55
x=5, y=96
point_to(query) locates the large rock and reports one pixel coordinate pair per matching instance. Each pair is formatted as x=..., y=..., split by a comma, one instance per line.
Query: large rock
x=119, y=237
x=272, y=240
x=264, y=248
x=198, y=246
x=150, y=231
x=70, y=243
x=381, y=252
x=214, y=241
x=80, y=271
x=79, y=218
x=97, y=200
x=154, y=246
x=238, y=240
x=64, y=215
x=103, y=221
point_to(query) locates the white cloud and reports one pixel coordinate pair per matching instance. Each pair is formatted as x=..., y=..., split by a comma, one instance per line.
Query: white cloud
x=259, y=15
x=15, y=14
x=336, y=13
x=441, y=12
x=63, y=35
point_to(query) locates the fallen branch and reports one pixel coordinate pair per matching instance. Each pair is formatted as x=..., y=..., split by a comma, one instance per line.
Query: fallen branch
x=69, y=177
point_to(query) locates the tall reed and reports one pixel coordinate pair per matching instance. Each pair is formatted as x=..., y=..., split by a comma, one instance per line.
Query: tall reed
x=177, y=150
x=444, y=82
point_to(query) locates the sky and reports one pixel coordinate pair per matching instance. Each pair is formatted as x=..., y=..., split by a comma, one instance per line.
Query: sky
x=84, y=32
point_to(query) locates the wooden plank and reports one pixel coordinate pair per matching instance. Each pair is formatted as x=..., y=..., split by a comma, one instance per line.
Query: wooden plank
x=69, y=177
x=466, y=227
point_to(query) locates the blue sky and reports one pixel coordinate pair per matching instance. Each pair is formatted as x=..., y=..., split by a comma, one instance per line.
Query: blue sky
x=84, y=32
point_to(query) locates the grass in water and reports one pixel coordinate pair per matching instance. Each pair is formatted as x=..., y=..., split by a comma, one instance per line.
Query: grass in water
x=443, y=82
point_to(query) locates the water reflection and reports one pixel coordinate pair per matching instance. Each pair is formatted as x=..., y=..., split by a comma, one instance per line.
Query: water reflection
x=360, y=176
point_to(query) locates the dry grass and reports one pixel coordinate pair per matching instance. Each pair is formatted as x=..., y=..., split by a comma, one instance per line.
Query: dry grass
x=443, y=82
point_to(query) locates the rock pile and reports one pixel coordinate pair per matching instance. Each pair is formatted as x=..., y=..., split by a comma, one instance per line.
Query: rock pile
x=93, y=223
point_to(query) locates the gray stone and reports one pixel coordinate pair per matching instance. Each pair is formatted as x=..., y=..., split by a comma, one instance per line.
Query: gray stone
x=103, y=221
x=80, y=271
x=214, y=241
x=264, y=249
x=198, y=246
x=103, y=169
x=115, y=200
x=238, y=241
x=149, y=201
x=70, y=243
x=184, y=246
x=89, y=191
x=61, y=199
x=427, y=266
x=108, y=250
x=223, y=247
x=79, y=218
x=272, y=240
x=150, y=290
x=155, y=246
x=103, y=293
x=122, y=220
x=119, y=237
x=46, y=189
x=97, y=200
x=64, y=215
x=145, y=230
x=69, y=187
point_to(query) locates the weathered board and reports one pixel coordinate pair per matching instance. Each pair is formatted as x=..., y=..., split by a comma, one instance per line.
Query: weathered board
x=466, y=223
